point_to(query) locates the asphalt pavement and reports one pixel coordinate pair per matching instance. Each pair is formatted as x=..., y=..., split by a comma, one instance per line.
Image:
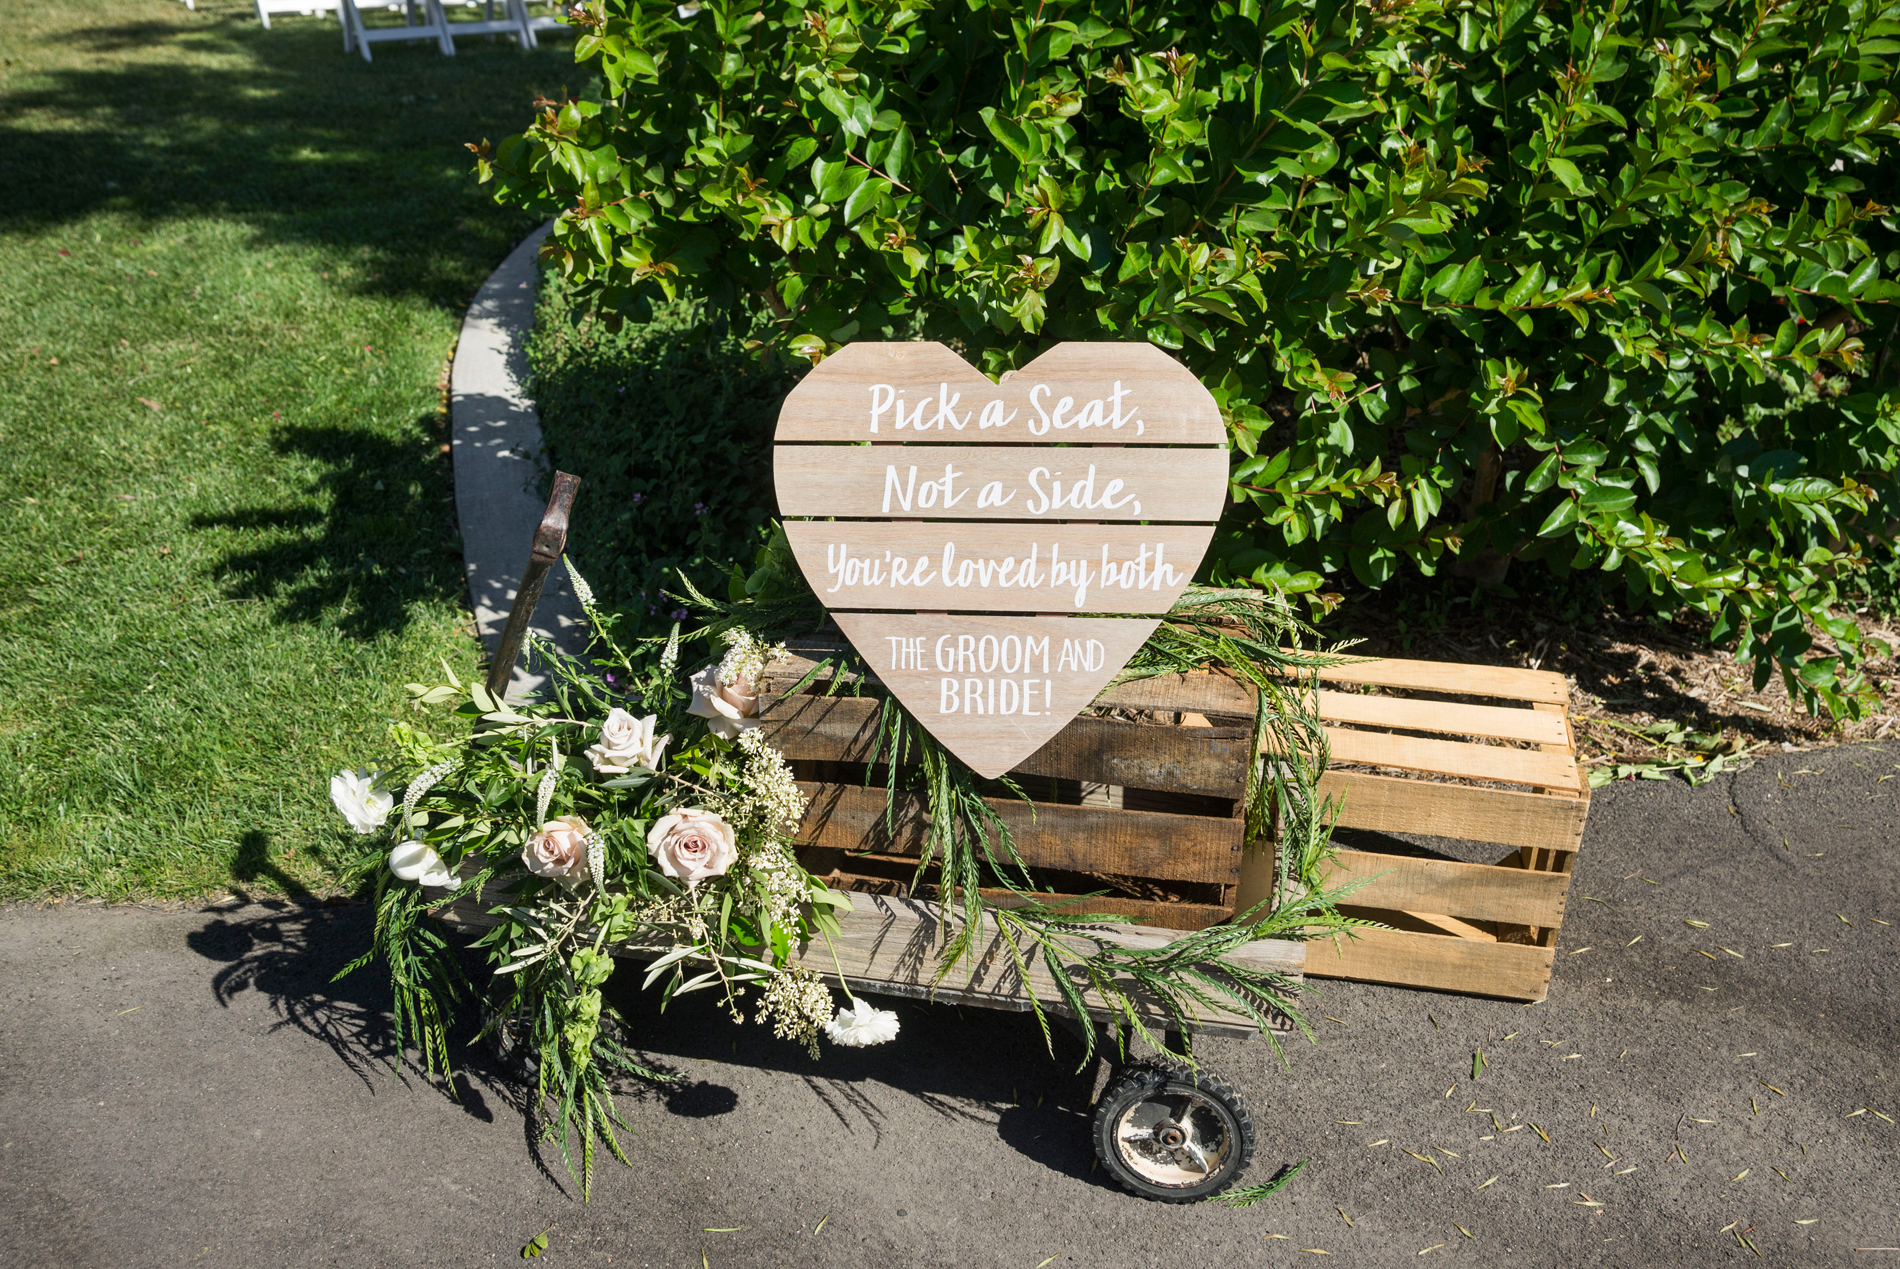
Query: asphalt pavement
x=1715, y=1063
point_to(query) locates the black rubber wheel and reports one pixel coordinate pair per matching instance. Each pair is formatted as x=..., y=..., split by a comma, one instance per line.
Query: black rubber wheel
x=1172, y=1134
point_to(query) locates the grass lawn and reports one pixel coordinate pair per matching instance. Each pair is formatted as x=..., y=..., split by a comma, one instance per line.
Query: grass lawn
x=236, y=262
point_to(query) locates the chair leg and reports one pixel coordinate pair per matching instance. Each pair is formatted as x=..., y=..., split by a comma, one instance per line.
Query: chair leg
x=263, y=14
x=518, y=10
x=444, y=41
x=356, y=29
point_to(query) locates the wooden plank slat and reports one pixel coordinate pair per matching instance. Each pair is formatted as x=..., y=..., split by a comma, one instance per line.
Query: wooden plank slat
x=1220, y=694
x=1042, y=568
x=891, y=945
x=1491, y=721
x=1473, y=892
x=893, y=480
x=1152, y=913
x=1454, y=758
x=1390, y=804
x=1195, y=693
x=1070, y=838
x=1502, y=682
x=1182, y=760
x=1435, y=961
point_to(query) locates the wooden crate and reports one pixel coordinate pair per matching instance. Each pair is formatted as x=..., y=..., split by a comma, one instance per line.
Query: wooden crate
x=1141, y=798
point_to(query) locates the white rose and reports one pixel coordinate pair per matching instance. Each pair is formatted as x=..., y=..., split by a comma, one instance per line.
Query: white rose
x=362, y=802
x=626, y=742
x=860, y=1024
x=729, y=708
x=692, y=845
x=414, y=861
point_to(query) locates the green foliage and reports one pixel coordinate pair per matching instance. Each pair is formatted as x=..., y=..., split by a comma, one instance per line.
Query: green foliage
x=1248, y=1195
x=1601, y=287
x=670, y=425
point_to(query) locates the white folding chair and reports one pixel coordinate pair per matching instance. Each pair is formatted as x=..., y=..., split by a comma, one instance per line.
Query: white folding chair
x=435, y=26
x=513, y=22
x=531, y=22
x=309, y=8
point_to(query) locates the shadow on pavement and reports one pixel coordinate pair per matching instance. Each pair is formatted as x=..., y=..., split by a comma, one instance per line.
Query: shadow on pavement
x=969, y=1065
x=974, y=1066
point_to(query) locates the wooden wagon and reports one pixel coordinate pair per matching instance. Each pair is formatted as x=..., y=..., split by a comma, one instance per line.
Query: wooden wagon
x=1137, y=803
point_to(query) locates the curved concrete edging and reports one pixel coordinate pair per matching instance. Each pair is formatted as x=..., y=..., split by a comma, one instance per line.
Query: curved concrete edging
x=495, y=440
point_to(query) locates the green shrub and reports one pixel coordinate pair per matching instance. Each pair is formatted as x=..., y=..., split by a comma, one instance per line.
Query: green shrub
x=669, y=423
x=1593, y=287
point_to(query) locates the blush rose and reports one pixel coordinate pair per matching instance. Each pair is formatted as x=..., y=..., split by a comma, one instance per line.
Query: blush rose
x=692, y=845
x=559, y=851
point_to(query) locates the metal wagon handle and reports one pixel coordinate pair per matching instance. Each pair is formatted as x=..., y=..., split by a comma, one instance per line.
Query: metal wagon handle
x=550, y=539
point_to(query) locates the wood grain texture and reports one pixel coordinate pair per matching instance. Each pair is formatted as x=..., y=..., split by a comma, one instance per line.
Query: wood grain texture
x=1472, y=892
x=1220, y=694
x=1499, y=682
x=895, y=480
x=1047, y=835
x=1211, y=762
x=834, y=402
x=891, y=945
x=1435, y=961
x=1454, y=758
x=1490, y=721
x=993, y=690
x=1151, y=913
x=1390, y=804
x=1044, y=568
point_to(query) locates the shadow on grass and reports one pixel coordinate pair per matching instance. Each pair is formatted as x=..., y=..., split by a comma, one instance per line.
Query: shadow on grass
x=253, y=861
x=373, y=542
x=281, y=130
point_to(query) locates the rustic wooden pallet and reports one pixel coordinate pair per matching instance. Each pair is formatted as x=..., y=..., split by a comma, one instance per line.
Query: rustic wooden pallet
x=890, y=946
x=1142, y=800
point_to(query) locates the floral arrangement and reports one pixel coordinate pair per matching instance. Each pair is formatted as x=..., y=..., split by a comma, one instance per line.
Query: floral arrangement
x=587, y=829
x=633, y=811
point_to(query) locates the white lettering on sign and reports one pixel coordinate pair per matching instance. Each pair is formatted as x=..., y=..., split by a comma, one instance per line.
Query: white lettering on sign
x=998, y=550
x=941, y=492
x=1139, y=568
x=1057, y=414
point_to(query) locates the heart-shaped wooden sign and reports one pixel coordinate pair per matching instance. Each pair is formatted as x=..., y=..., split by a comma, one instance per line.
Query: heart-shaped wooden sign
x=958, y=528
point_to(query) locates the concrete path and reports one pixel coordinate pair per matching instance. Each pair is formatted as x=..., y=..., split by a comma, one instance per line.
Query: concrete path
x=496, y=440
x=189, y=1088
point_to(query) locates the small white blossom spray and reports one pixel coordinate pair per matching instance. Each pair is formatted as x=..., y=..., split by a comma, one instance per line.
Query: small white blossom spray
x=670, y=658
x=582, y=591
